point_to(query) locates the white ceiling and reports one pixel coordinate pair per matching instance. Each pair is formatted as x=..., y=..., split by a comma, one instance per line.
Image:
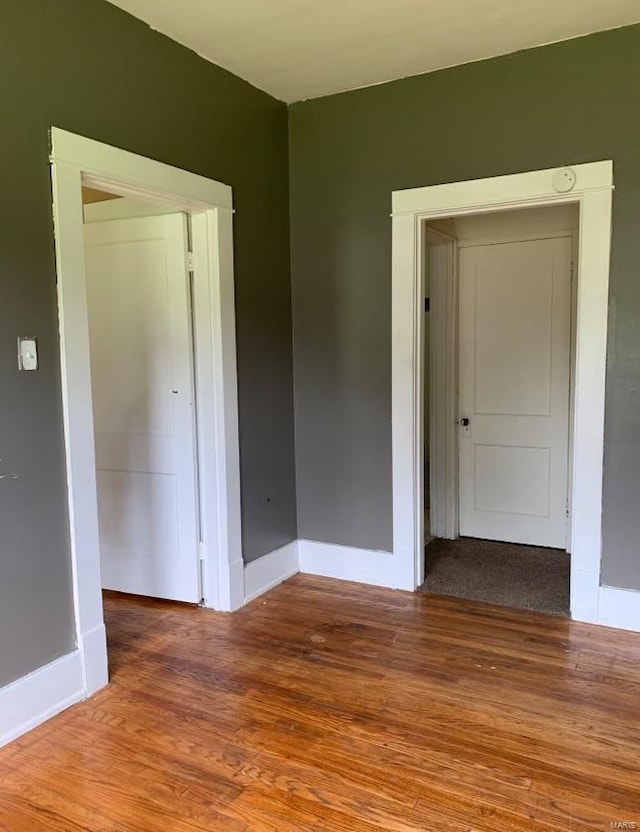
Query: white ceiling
x=296, y=49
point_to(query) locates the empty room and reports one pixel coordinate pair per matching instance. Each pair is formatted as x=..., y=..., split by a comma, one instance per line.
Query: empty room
x=319, y=458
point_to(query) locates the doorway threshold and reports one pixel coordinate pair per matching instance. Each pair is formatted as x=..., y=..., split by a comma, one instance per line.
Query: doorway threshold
x=504, y=574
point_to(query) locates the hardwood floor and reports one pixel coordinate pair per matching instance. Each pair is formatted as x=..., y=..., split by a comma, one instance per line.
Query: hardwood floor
x=333, y=706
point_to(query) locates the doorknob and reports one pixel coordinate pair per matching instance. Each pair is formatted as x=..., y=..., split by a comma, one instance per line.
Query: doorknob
x=464, y=422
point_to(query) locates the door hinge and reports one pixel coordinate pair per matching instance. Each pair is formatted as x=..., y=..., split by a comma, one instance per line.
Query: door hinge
x=567, y=512
x=190, y=261
x=427, y=304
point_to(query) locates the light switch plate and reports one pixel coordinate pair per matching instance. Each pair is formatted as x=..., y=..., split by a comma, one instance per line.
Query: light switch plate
x=27, y=352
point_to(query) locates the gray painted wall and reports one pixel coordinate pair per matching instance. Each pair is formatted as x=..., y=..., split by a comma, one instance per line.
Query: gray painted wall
x=87, y=67
x=568, y=103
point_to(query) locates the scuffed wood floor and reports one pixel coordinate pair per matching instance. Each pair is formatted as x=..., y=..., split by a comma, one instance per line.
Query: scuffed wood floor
x=332, y=706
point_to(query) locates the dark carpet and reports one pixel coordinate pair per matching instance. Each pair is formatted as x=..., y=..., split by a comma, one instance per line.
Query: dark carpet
x=505, y=574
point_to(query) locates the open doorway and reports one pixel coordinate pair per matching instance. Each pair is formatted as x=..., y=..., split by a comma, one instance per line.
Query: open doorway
x=500, y=284
x=167, y=334
x=589, y=186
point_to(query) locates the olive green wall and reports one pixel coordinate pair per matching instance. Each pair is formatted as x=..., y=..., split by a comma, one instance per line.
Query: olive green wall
x=563, y=104
x=87, y=67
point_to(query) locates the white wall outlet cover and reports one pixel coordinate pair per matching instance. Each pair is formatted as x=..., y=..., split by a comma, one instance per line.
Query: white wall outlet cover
x=564, y=180
x=27, y=353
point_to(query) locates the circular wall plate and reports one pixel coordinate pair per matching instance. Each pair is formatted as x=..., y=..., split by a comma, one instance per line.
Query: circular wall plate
x=564, y=180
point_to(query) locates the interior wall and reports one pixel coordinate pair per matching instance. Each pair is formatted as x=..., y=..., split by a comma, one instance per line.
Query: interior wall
x=567, y=103
x=160, y=100
x=510, y=225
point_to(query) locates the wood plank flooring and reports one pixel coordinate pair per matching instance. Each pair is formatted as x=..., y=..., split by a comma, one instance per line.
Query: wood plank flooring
x=335, y=706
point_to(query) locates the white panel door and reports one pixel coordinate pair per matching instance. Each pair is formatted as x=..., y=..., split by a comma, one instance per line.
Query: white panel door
x=515, y=330
x=143, y=405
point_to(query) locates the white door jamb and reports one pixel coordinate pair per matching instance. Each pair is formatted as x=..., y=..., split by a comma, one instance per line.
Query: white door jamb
x=443, y=381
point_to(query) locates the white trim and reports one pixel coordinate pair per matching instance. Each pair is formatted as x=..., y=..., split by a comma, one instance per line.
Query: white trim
x=270, y=570
x=346, y=563
x=619, y=608
x=74, y=161
x=406, y=337
x=34, y=698
x=217, y=407
x=530, y=189
x=127, y=174
x=591, y=356
x=593, y=194
x=443, y=400
x=585, y=587
x=93, y=648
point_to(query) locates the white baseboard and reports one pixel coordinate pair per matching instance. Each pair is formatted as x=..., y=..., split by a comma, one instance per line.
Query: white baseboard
x=29, y=701
x=236, y=597
x=96, y=663
x=585, y=589
x=619, y=608
x=270, y=570
x=346, y=563
x=605, y=605
x=315, y=558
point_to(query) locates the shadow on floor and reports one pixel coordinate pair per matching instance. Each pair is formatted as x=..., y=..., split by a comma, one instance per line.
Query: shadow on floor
x=505, y=574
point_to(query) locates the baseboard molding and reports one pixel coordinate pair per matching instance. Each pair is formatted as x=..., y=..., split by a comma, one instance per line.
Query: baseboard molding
x=315, y=558
x=29, y=701
x=585, y=589
x=270, y=570
x=619, y=608
x=366, y=566
x=96, y=663
x=236, y=593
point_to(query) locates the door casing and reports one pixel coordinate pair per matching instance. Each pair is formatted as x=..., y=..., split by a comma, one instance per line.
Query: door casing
x=77, y=161
x=592, y=192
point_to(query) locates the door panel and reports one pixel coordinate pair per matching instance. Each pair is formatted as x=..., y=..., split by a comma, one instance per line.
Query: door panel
x=142, y=388
x=513, y=350
x=515, y=323
x=512, y=479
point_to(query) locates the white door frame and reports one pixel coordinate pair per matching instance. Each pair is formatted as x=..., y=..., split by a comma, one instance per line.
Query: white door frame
x=592, y=192
x=443, y=386
x=77, y=161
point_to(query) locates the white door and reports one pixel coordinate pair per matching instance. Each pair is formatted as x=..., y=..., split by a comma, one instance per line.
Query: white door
x=143, y=405
x=515, y=325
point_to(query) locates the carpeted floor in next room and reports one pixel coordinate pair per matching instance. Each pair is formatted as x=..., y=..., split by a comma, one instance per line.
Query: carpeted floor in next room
x=505, y=574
